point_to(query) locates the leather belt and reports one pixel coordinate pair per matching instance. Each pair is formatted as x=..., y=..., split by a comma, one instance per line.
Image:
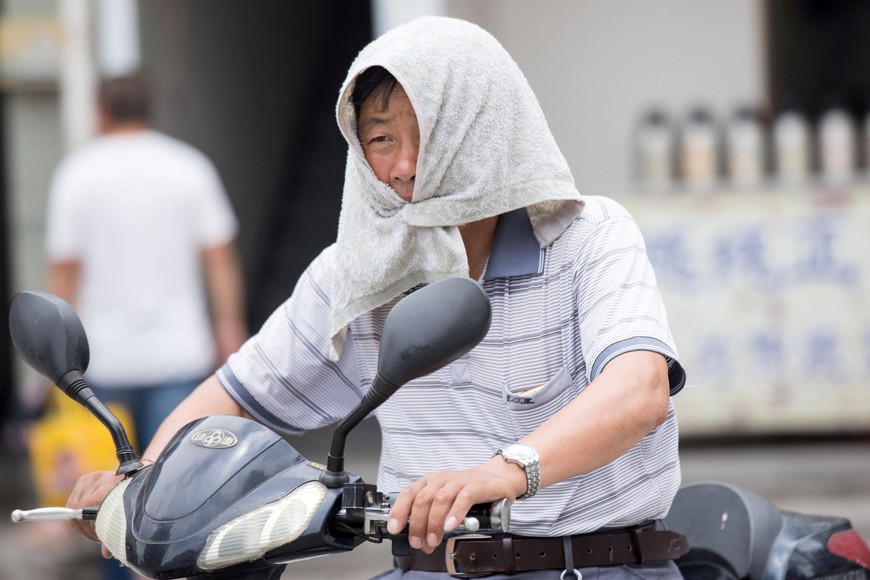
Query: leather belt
x=471, y=555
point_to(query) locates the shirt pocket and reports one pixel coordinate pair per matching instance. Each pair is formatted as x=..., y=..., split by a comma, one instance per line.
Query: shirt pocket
x=529, y=406
x=536, y=398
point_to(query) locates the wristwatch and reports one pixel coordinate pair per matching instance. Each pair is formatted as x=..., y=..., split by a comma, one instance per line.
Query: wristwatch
x=527, y=458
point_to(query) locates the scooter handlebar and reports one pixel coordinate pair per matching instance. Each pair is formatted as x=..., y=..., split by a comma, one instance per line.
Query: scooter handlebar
x=54, y=514
x=491, y=517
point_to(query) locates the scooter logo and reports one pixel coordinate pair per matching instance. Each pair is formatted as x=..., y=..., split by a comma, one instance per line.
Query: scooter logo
x=214, y=438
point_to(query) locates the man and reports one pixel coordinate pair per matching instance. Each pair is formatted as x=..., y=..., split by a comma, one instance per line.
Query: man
x=141, y=240
x=452, y=171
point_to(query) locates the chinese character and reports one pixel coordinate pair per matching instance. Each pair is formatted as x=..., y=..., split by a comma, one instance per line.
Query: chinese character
x=817, y=259
x=823, y=357
x=751, y=253
x=768, y=350
x=670, y=257
x=713, y=360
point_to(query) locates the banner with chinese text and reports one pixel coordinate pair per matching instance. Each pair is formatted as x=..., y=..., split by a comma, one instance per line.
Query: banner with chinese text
x=768, y=298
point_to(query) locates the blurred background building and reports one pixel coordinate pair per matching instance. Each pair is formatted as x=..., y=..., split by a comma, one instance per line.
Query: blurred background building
x=668, y=97
x=734, y=130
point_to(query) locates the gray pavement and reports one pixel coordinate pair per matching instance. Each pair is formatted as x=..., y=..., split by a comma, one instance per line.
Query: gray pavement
x=821, y=477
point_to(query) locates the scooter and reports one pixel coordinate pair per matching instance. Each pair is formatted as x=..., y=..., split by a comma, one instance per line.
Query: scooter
x=230, y=499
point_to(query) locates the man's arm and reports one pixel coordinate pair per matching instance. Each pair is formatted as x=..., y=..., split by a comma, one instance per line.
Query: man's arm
x=226, y=294
x=625, y=402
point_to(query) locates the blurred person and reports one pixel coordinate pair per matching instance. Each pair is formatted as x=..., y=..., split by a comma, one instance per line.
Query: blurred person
x=140, y=239
x=564, y=407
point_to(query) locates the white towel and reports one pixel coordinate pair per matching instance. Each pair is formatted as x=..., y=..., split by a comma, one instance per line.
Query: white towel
x=485, y=149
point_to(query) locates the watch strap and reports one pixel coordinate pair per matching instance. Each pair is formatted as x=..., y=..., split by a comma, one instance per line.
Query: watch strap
x=531, y=467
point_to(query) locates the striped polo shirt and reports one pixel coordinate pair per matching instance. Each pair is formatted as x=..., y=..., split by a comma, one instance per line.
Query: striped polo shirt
x=558, y=316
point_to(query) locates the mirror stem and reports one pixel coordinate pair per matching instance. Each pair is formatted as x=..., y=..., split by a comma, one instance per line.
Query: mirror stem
x=335, y=475
x=74, y=385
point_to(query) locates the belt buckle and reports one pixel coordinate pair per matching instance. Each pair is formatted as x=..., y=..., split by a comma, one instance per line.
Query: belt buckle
x=450, y=563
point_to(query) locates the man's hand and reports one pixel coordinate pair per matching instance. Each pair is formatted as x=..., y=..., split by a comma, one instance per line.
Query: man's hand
x=439, y=501
x=90, y=490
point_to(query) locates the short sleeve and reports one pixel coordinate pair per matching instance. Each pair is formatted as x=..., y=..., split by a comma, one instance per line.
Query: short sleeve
x=217, y=223
x=283, y=375
x=619, y=305
x=62, y=241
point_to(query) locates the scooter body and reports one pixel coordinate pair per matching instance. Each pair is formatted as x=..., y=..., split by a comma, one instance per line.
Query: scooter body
x=220, y=490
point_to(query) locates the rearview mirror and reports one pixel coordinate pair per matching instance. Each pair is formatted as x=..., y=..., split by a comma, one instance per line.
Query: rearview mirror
x=47, y=333
x=430, y=328
x=424, y=331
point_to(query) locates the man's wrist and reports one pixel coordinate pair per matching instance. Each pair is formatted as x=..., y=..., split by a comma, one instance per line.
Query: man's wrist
x=512, y=472
x=526, y=458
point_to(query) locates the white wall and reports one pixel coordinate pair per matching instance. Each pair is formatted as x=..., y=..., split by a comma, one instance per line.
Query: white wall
x=387, y=14
x=596, y=65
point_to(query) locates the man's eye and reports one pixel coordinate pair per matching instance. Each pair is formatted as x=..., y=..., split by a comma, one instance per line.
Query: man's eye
x=378, y=143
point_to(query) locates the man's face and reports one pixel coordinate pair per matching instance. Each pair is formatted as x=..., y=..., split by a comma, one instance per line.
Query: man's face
x=390, y=139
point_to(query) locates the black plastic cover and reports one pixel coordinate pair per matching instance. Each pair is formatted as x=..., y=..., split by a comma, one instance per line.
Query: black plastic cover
x=48, y=334
x=725, y=525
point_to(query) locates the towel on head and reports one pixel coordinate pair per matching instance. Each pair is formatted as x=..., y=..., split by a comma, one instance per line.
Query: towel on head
x=485, y=149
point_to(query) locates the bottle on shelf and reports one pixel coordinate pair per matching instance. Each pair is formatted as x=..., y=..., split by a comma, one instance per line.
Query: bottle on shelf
x=699, y=150
x=745, y=149
x=655, y=145
x=837, y=142
x=792, y=145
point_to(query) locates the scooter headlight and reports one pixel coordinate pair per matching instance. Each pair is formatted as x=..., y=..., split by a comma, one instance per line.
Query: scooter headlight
x=111, y=522
x=250, y=536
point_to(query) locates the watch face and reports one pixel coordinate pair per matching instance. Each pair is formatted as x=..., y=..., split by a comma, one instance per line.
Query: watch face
x=521, y=452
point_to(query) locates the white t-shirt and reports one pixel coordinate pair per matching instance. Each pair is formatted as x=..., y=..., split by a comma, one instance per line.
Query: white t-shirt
x=137, y=209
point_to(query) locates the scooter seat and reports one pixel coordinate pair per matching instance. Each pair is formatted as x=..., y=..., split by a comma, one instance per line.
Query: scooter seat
x=727, y=527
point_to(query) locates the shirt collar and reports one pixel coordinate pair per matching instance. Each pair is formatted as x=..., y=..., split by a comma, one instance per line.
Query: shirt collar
x=515, y=249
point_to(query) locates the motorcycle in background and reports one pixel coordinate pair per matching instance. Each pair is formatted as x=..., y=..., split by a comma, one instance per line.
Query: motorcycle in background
x=734, y=533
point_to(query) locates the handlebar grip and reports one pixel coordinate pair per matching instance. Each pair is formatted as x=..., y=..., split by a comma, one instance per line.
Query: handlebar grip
x=492, y=516
x=54, y=514
x=49, y=514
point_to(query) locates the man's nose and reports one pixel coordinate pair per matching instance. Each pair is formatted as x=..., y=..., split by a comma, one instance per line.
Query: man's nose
x=405, y=170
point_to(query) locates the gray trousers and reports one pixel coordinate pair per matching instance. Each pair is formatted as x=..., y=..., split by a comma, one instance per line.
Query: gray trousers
x=651, y=570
